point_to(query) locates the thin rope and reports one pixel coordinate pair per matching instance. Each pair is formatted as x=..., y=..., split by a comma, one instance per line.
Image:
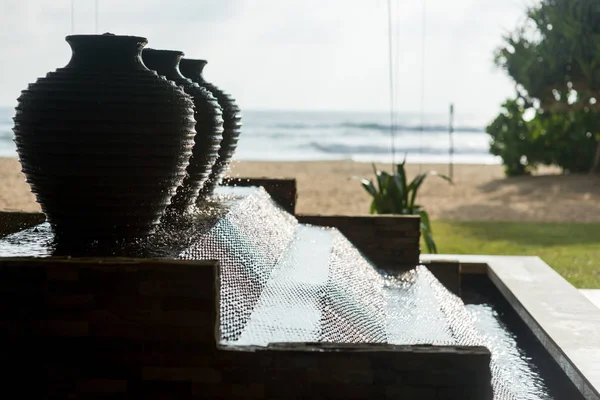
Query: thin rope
x=423, y=35
x=397, y=72
x=391, y=78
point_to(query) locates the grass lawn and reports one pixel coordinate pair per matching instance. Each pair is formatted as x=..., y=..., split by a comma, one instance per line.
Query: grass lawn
x=573, y=250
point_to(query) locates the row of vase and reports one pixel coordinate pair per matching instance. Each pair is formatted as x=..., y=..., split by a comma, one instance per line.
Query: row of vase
x=122, y=136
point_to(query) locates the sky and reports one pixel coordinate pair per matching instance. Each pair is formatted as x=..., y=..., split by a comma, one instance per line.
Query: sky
x=289, y=54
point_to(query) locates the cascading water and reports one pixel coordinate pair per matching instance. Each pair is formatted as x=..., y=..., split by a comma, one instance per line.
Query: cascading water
x=282, y=281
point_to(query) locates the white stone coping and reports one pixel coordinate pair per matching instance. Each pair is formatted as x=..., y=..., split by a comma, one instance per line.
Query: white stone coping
x=565, y=321
x=593, y=295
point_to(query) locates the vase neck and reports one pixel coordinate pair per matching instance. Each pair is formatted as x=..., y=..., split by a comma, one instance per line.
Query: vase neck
x=164, y=62
x=192, y=69
x=106, y=52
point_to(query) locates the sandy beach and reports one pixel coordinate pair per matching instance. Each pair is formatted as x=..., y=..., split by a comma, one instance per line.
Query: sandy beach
x=480, y=192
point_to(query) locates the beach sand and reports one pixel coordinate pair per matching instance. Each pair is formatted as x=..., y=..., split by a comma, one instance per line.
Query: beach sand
x=480, y=192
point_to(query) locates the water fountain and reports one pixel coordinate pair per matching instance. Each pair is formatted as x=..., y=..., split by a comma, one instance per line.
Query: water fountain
x=300, y=310
x=243, y=298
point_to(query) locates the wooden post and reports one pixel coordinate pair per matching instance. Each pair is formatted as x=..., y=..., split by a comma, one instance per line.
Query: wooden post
x=451, y=136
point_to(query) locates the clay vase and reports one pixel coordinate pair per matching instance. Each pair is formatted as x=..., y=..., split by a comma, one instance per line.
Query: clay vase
x=232, y=122
x=104, y=142
x=209, y=125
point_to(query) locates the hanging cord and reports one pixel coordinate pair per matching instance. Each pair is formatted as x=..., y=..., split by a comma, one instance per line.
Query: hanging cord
x=423, y=35
x=396, y=71
x=391, y=72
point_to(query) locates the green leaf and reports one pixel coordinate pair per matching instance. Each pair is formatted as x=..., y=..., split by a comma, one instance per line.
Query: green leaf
x=380, y=178
x=396, y=194
x=427, y=233
x=368, y=186
x=381, y=204
x=400, y=178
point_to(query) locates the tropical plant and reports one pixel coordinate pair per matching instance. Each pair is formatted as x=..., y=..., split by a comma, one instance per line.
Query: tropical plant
x=554, y=59
x=511, y=139
x=393, y=195
x=563, y=139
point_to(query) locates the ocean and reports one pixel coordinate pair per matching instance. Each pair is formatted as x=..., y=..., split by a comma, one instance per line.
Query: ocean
x=356, y=136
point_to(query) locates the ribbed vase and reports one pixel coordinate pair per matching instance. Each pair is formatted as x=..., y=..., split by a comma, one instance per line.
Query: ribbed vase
x=104, y=142
x=232, y=122
x=209, y=125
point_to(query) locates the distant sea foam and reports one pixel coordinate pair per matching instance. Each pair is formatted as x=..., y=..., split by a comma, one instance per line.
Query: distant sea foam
x=320, y=136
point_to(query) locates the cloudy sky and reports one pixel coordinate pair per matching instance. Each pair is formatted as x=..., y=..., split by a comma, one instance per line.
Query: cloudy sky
x=287, y=54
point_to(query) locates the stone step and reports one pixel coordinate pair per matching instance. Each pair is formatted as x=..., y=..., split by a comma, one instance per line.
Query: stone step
x=592, y=294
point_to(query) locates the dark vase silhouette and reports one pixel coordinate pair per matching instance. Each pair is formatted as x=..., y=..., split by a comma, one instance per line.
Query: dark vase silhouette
x=104, y=142
x=232, y=122
x=209, y=125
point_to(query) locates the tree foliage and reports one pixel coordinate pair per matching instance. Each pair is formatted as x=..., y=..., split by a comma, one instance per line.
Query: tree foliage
x=564, y=139
x=511, y=139
x=554, y=56
x=554, y=59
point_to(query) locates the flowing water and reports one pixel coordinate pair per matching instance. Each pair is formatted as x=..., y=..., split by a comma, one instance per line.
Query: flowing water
x=282, y=281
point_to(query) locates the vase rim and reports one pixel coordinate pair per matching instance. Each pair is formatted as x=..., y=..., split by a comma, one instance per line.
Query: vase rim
x=195, y=60
x=164, y=51
x=108, y=36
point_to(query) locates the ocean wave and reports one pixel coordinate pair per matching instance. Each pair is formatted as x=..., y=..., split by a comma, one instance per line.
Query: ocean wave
x=338, y=148
x=304, y=126
x=410, y=128
x=336, y=136
x=372, y=126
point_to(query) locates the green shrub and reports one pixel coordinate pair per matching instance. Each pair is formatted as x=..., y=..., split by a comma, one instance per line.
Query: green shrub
x=393, y=195
x=553, y=57
x=512, y=139
x=563, y=139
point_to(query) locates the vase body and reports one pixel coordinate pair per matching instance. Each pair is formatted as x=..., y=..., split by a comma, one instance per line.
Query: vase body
x=209, y=126
x=232, y=122
x=104, y=142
